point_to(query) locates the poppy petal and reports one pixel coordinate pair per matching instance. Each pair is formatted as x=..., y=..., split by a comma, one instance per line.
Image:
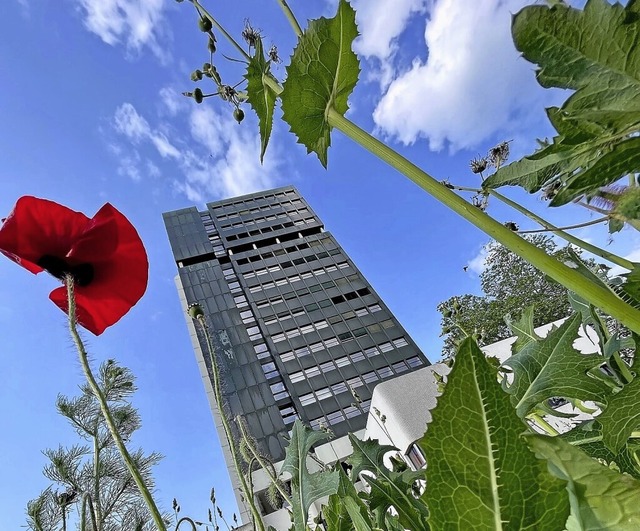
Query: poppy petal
x=100, y=238
x=38, y=227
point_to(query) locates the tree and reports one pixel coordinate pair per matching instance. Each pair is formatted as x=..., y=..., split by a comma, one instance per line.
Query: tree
x=92, y=477
x=510, y=285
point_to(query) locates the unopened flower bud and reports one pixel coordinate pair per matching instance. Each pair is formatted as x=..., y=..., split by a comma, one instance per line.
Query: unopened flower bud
x=204, y=24
x=238, y=114
x=195, y=310
x=198, y=95
x=196, y=75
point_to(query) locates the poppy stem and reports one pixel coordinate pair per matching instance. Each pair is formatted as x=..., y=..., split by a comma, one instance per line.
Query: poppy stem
x=104, y=407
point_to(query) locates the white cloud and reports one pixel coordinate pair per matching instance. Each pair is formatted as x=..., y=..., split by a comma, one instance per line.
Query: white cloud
x=471, y=85
x=233, y=165
x=136, y=23
x=172, y=101
x=129, y=123
x=222, y=159
x=380, y=22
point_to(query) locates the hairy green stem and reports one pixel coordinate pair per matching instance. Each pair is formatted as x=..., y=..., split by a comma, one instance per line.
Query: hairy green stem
x=615, y=259
x=217, y=391
x=86, y=500
x=599, y=296
x=104, y=408
x=267, y=467
x=96, y=479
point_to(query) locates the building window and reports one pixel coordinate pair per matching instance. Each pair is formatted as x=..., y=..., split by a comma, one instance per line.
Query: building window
x=416, y=457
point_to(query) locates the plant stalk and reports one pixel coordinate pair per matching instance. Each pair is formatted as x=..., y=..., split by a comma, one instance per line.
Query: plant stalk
x=290, y=17
x=267, y=467
x=566, y=227
x=220, y=28
x=104, y=408
x=599, y=296
x=615, y=259
x=96, y=480
x=225, y=424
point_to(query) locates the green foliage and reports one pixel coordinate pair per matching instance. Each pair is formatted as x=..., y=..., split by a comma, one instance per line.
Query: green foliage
x=260, y=95
x=306, y=487
x=96, y=469
x=345, y=511
x=601, y=498
x=388, y=488
x=588, y=437
x=510, y=285
x=551, y=367
x=480, y=473
x=596, y=53
x=322, y=74
x=522, y=329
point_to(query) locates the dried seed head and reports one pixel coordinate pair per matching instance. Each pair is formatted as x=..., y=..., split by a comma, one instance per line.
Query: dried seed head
x=273, y=54
x=499, y=153
x=250, y=34
x=478, y=165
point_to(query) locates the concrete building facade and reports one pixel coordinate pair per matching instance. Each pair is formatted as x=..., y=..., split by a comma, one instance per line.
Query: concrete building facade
x=298, y=331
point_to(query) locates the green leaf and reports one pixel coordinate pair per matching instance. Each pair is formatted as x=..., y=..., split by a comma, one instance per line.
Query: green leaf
x=632, y=285
x=260, y=96
x=480, y=473
x=522, y=329
x=551, y=367
x=305, y=486
x=322, y=74
x=621, y=416
x=601, y=498
x=341, y=515
x=596, y=53
x=388, y=488
x=623, y=158
x=588, y=437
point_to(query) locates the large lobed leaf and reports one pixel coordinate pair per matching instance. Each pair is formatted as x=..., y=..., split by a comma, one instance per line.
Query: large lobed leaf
x=306, y=487
x=388, y=488
x=588, y=437
x=595, y=52
x=345, y=511
x=480, y=473
x=322, y=74
x=601, y=498
x=552, y=367
x=260, y=95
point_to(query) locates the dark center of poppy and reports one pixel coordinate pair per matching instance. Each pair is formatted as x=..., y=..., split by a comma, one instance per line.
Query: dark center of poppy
x=82, y=273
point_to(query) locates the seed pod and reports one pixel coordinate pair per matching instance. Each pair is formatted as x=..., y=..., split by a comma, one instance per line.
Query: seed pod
x=212, y=44
x=238, y=114
x=198, y=95
x=196, y=75
x=204, y=24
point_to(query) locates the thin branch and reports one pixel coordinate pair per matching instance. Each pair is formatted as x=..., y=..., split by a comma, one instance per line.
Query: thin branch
x=567, y=227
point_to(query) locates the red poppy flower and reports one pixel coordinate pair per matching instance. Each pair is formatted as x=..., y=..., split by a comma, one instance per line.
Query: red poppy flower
x=104, y=254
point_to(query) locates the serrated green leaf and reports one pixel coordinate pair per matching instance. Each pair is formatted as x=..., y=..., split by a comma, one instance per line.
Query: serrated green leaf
x=322, y=74
x=480, y=473
x=341, y=516
x=522, y=329
x=596, y=52
x=259, y=94
x=551, y=367
x=388, y=488
x=622, y=159
x=632, y=284
x=305, y=486
x=621, y=416
x=601, y=498
x=588, y=437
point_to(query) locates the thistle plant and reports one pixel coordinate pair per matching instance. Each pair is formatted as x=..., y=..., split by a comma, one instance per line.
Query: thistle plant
x=321, y=78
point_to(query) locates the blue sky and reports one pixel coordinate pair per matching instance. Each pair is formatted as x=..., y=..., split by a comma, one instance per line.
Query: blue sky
x=91, y=112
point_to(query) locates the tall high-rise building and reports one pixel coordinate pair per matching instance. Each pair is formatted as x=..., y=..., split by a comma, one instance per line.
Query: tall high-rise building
x=298, y=332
